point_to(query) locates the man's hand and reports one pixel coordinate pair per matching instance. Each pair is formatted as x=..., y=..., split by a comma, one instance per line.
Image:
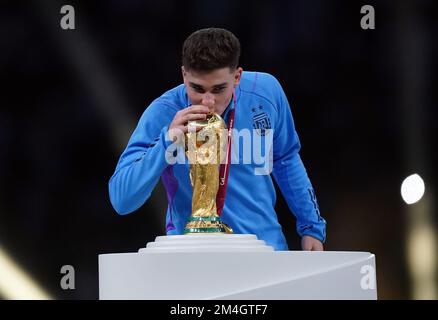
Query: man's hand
x=182, y=117
x=311, y=244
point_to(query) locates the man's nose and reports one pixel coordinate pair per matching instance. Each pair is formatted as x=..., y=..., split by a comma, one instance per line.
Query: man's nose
x=208, y=100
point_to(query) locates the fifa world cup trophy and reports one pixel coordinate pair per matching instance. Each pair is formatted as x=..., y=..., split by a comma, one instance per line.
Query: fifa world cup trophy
x=203, y=150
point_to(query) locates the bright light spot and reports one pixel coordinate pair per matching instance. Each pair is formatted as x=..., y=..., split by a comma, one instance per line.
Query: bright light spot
x=15, y=283
x=422, y=257
x=412, y=189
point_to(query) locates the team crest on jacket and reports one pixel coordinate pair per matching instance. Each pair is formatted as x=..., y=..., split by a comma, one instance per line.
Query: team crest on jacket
x=260, y=120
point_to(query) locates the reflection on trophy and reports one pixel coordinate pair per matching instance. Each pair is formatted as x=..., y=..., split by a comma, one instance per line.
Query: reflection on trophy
x=203, y=150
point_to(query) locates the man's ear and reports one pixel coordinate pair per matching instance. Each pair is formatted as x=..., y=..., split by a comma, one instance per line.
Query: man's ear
x=184, y=75
x=237, y=76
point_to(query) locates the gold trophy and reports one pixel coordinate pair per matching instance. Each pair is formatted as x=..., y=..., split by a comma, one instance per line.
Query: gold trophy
x=203, y=150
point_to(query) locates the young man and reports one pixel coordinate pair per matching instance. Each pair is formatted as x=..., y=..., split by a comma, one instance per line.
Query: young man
x=214, y=82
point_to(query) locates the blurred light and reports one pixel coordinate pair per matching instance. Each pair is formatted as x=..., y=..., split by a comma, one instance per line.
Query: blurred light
x=412, y=189
x=15, y=283
x=422, y=255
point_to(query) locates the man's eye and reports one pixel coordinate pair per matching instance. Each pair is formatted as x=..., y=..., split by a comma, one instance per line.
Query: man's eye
x=218, y=90
x=198, y=90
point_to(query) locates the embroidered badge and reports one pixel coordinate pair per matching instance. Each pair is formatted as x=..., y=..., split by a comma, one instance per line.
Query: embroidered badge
x=260, y=120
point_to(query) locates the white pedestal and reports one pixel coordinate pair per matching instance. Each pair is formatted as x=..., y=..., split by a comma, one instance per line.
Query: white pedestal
x=234, y=267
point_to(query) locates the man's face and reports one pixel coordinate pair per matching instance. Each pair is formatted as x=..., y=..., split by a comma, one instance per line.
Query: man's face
x=213, y=89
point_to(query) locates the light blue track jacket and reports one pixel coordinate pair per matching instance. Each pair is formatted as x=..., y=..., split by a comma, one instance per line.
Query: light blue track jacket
x=262, y=109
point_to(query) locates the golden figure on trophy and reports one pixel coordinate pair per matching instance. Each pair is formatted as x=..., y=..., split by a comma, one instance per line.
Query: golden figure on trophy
x=203, y=150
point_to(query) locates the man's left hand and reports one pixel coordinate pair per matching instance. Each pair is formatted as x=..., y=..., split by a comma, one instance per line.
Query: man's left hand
x=311, y=244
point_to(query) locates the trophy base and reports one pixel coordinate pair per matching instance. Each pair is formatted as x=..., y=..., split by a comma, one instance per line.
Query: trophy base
x=204, y=230
x=210, y=225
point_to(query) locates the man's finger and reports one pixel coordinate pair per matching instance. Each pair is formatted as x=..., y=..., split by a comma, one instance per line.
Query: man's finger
x=196, y=109
x=194, y=116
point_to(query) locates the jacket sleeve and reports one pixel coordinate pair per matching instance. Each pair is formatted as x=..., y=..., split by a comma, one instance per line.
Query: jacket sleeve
x=143, y=161
x=290, y=173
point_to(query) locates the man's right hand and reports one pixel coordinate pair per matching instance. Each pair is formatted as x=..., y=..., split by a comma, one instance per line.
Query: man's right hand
x=180, y=121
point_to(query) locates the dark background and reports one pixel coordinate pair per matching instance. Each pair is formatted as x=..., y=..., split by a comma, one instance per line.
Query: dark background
x=364, y=104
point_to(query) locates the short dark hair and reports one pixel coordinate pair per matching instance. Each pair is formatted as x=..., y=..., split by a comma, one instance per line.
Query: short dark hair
x=209, y=49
